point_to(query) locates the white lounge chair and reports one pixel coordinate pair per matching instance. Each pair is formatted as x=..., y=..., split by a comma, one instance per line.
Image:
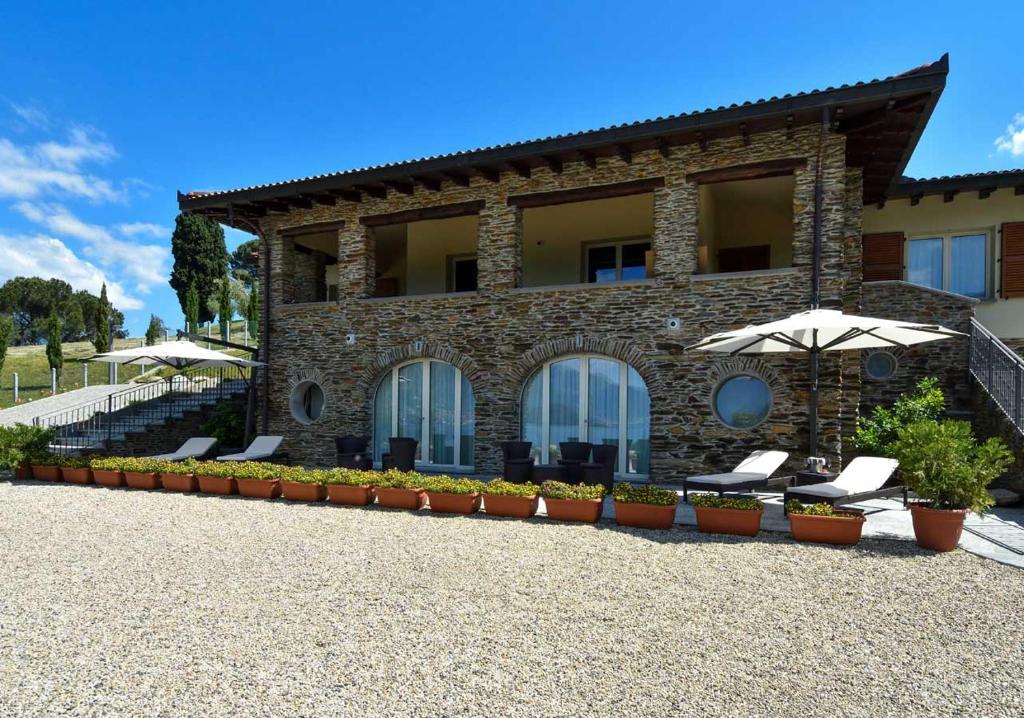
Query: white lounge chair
x=262, y=447
x=862, y=479
x=194, y=448
x=751, y=473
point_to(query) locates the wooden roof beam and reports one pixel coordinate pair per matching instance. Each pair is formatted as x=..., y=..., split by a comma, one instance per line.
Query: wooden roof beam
x=625, y=153
x=458, y=178
x=589, y=159
x=554, y=164
x=434, y=185
x=702, y=140
x=986, y=192
x=491, y=175
x=325, y=199
x=274, y=205
x=406, y=188
x=375, y=192
x=663, y=148
x=916, y=200
x=948, y=195
x=520, y=169
x=349, y=195
x=299, y=202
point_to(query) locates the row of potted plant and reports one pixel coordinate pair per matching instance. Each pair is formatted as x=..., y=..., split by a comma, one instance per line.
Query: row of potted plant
x=815, y=523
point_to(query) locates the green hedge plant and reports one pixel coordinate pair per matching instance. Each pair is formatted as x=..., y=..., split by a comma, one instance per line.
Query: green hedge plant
x=395, y=479
x=106, y=463
x=576, y=492
x=351, y=477
x=795, y=507
x=710, y=501
x=448, y=485
x=218, y=469
x=73, y=462
x=23, y=444
x=305, y=476
x=878, y=432
x=500, y=487
x=944, y=464
x=627, y=493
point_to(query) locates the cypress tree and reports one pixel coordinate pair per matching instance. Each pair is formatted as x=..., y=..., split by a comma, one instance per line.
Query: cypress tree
x=200, y=261
x=102, y=342
x=224, y=310
x=6, y=333
x=54, y=352
x=192, y=310
x=252, y=311
x=153, y=330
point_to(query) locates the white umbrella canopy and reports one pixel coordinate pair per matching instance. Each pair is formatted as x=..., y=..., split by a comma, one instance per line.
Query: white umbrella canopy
x=177, y=355
x=818, y=330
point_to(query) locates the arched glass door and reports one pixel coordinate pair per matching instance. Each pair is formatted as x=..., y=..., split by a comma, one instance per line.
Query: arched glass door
x=430, y=401
x=588, y=398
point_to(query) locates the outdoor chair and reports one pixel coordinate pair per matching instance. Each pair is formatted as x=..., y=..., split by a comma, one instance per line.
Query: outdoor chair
x=402, y=454
x=518, y=461
x=573, y=455
x=195, y=448
x=753, y=472
x=861, y=480
x=262, y=448
x=602, y=469
x=352, y=452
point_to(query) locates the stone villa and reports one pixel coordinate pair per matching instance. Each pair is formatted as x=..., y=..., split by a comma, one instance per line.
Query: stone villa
x=546, y=289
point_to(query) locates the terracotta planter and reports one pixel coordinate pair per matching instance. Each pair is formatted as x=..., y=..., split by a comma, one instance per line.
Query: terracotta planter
x=138, y=480
x=45, y=472
x=179, y=482
x=217, y=485
x=76, y=476
x=937, y=529
x=259, y=488
x=737, y=522
x=518, y=507
x=350, y=495
x=838, y=530
x=574, y=509
x=412, y=499
x=296, y=491
x=441, y=503
x=105, y=477
x=23, y=472
x=645, y=516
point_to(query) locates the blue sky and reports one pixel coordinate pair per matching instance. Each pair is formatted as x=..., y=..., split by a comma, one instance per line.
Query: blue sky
x=107, y=108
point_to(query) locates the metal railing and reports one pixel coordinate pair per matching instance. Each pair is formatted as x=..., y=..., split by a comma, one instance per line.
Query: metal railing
x=93, y=425
x=1000, y=371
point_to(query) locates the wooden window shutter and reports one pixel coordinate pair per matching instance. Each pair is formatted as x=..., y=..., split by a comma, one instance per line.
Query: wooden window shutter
x=883, y=256
x=1012, y=269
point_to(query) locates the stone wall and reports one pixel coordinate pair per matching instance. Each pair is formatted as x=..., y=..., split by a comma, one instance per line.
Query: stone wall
x=989, y=420
x=165, y=438
x=946, y=359
x=501, y=333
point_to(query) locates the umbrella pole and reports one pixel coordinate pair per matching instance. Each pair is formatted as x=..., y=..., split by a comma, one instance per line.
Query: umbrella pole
x=812, y=409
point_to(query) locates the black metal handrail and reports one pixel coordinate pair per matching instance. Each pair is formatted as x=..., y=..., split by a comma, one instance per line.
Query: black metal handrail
x=1000, y=371
x=91, y=426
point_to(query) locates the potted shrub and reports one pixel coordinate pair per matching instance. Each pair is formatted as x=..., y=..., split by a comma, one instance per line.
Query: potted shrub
x=217, y=477
x=46, y=467
x=725, y=515
x=106, y=471
x=400, y=490
x=645, y=506
x=297, y=484
x=453, y=496
x=75, y=469
x=573, y=502
x=179, y=476
x=258, y=479
x=504, y=498
x=20, y=445
x=949, y=471
x=821, y=523
x=350, y=487
x=141, y=473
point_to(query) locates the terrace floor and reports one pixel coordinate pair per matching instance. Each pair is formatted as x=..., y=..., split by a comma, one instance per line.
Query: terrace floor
x=119, y=602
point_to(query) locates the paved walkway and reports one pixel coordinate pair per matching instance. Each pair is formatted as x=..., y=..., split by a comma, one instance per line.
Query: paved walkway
x=25, y=413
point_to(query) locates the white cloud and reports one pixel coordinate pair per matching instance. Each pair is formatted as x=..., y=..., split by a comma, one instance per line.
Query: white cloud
x=1012, y=140
x=134, y=229
x=30, y=115
x=28, y=171
x=47, y=257
x=145, y=264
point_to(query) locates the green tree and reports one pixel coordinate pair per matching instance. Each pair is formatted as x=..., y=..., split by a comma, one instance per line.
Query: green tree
x=244, y=261
x=103, y=341
x=252, y=311
x=54, y=352
x=73, y=321
x=200, y=261
x=154, y=330
x=6, y=332
x=224, y=308
x=192, y=310
x=28, y=301
x=876, y=433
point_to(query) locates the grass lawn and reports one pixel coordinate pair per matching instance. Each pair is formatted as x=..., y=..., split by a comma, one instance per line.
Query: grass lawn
x=34, y=371
x=123, y=602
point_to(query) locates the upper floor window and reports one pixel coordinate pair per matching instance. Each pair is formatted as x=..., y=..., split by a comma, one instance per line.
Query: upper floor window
x=955, y=261
x=617, y=261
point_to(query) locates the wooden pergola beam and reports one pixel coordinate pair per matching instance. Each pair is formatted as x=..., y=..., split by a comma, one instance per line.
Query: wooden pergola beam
x=444, y=211
x=584, y=194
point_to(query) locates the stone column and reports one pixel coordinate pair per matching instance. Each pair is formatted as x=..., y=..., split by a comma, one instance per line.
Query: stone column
x=356, y=261
x=675, y=228
x=499, y=247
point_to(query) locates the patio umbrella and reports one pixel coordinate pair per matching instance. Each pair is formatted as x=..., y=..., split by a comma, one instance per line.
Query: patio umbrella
x=821, y=330
x=177, y=355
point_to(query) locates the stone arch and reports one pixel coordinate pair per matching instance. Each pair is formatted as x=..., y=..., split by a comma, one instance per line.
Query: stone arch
x=419, y=349
x=723, y=368
x=620, y=349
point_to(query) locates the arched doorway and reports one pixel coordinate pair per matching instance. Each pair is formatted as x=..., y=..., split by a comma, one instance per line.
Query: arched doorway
x=588, y=397
x=428, y=400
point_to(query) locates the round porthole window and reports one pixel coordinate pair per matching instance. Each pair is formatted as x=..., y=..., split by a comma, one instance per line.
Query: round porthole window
x=307, y=402
x=880, y=365
x=742, y=401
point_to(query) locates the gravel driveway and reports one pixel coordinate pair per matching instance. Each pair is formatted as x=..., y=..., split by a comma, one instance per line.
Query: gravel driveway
x=118, y=602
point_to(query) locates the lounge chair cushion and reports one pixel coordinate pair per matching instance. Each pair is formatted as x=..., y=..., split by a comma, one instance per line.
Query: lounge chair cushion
x=262, y=447
x=861, y=476
x=194, y=448
x=762, y=462
x=827, y=490
x=730, y=479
